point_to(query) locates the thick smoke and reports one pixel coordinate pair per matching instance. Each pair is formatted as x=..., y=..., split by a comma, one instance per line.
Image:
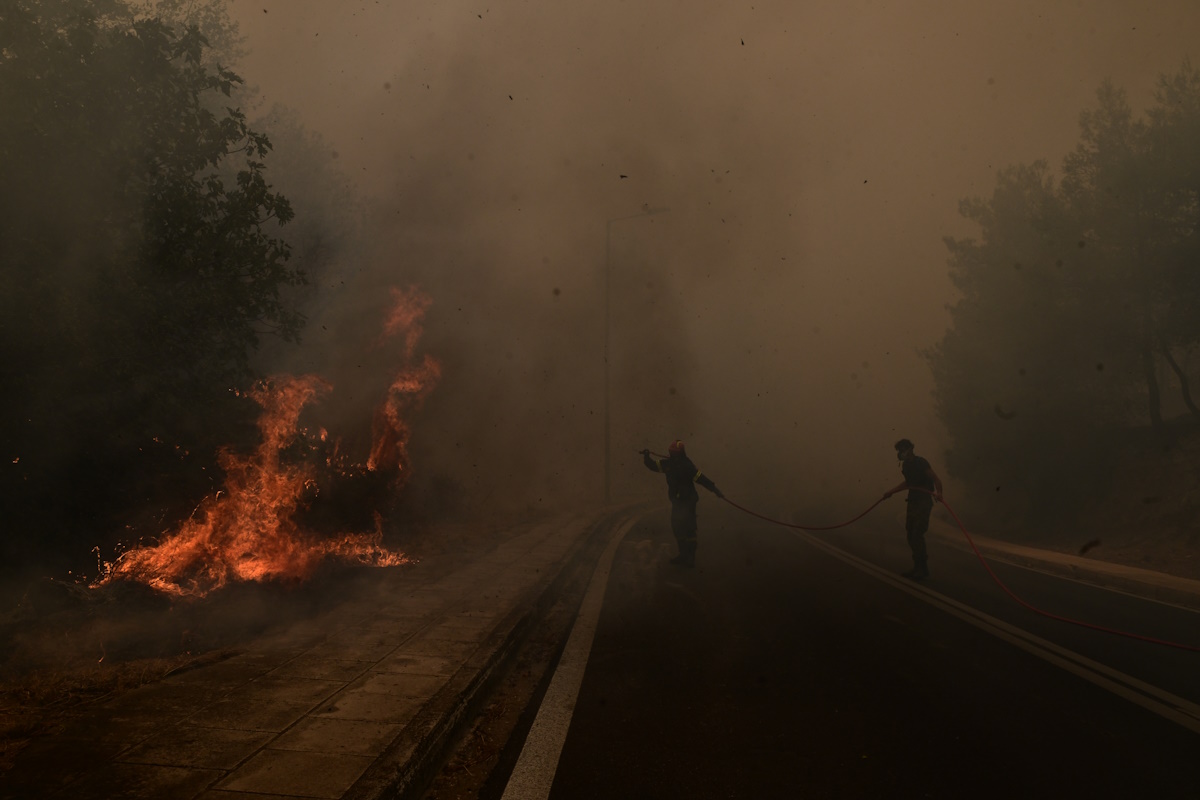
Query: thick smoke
x=811, y=157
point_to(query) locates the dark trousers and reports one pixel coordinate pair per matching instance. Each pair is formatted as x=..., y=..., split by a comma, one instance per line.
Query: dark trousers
x=683, y=525
x=916, y=523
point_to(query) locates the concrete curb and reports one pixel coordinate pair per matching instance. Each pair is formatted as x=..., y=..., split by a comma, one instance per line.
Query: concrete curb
x=414, y=757
x=1135, y=581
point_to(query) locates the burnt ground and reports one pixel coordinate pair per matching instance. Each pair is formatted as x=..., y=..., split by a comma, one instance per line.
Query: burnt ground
x=65, y=647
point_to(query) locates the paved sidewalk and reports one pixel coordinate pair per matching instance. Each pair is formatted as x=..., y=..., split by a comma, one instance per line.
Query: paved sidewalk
x=1131, y=580
x=348, y=705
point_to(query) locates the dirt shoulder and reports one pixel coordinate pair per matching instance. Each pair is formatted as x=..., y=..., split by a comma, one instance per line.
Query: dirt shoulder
x=65, y=647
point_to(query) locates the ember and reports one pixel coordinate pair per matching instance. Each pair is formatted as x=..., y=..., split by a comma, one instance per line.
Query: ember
x=249, y=532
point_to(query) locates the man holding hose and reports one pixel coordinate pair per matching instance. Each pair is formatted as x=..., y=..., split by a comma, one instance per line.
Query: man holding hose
x=682, y=477
x=917, y=475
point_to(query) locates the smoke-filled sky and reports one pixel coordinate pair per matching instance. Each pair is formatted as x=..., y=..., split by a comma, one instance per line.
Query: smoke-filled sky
x=811, y=156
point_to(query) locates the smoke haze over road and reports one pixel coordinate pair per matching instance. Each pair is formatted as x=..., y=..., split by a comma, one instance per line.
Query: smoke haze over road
x=811, y=156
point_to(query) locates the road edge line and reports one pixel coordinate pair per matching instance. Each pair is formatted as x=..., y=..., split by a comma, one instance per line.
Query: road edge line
x=412, y=759
x=533, y=774
x=1152, y=698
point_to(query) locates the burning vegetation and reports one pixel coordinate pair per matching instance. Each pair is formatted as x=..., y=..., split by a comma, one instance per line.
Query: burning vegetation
x=277, y=517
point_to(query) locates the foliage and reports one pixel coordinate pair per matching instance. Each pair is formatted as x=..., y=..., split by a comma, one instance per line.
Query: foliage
x=138, y=234
x=1075, y=300
x=211, y=17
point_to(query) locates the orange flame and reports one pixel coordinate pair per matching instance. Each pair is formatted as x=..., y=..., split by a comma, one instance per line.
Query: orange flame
x=248, y=532
x=406, y=317
x=389, y=448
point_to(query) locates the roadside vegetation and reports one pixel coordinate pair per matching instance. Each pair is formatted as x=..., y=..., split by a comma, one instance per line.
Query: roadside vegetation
x=149, y=260
x=1066, y=377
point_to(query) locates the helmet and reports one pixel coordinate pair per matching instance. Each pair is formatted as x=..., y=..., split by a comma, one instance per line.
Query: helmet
x=676, y=447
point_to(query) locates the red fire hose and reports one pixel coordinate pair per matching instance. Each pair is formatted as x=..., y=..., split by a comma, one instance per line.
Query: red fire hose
x=982, y=560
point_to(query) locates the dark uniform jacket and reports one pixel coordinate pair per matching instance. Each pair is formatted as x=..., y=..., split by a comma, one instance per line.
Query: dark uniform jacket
x=682, y=477
x=916, y=473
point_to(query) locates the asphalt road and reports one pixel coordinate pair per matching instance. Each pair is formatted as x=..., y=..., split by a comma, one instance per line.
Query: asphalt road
x=780, y=668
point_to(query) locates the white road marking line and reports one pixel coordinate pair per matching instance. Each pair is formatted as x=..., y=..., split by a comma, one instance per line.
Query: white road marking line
x=999, y=556
x=534, y=772
x=1090, y=584
x=1150, y=697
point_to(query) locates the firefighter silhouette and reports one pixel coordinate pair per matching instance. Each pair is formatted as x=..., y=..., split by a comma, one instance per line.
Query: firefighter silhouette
x=682, y=477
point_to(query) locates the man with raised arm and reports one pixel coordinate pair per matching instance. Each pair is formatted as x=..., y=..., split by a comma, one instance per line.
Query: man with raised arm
x=682, y=477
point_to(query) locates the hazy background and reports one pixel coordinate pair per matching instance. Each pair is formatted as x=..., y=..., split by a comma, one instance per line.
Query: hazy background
x=812, y=157
x=805, y=164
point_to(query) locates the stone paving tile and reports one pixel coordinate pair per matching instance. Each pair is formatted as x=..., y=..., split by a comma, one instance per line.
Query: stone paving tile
x=330, y=735
x=300, y=636
x=300, y=774
x=268, y=716
x=353, y=651
x=438, y=606
x=377, y=634
x=138, y=781
x=166, y=697
x=50, y=764
x=452, y=649
x=370, y=707
x=418, y=664
x=286, y=688
x=218, y=794
x=483, y=607
x=118, y=726
x=480, y=624
x=360, y=641
x=402, y=683
x=448, y=635
x=309, y=666
x=222, y=677
x=507, y=592
x=399, y=615
x=191, y=746
x=228, y=675
x=394, y=625
x=472, y=613
x=428, y=600
x=394, y=628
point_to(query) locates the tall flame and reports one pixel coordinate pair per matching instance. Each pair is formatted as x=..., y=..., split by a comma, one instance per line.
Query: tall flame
x=248, y=531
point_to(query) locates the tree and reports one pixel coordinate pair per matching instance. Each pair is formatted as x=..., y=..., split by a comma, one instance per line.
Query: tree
x=1000, y=390
x=1174, y=156
x=1072, y=300
x=1120, y=206
x=225, y=44
x=142, y=262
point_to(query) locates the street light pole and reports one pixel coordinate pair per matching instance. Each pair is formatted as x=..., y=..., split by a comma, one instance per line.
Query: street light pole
x=646, y=212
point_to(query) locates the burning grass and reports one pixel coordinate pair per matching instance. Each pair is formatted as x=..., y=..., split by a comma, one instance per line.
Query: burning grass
x=251, y=530
x=285, y=538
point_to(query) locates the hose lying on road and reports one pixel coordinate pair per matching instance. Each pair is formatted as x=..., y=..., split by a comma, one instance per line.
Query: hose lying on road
x=986, y=566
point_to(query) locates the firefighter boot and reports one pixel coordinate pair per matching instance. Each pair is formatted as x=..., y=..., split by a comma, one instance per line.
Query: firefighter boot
x=687, y=554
